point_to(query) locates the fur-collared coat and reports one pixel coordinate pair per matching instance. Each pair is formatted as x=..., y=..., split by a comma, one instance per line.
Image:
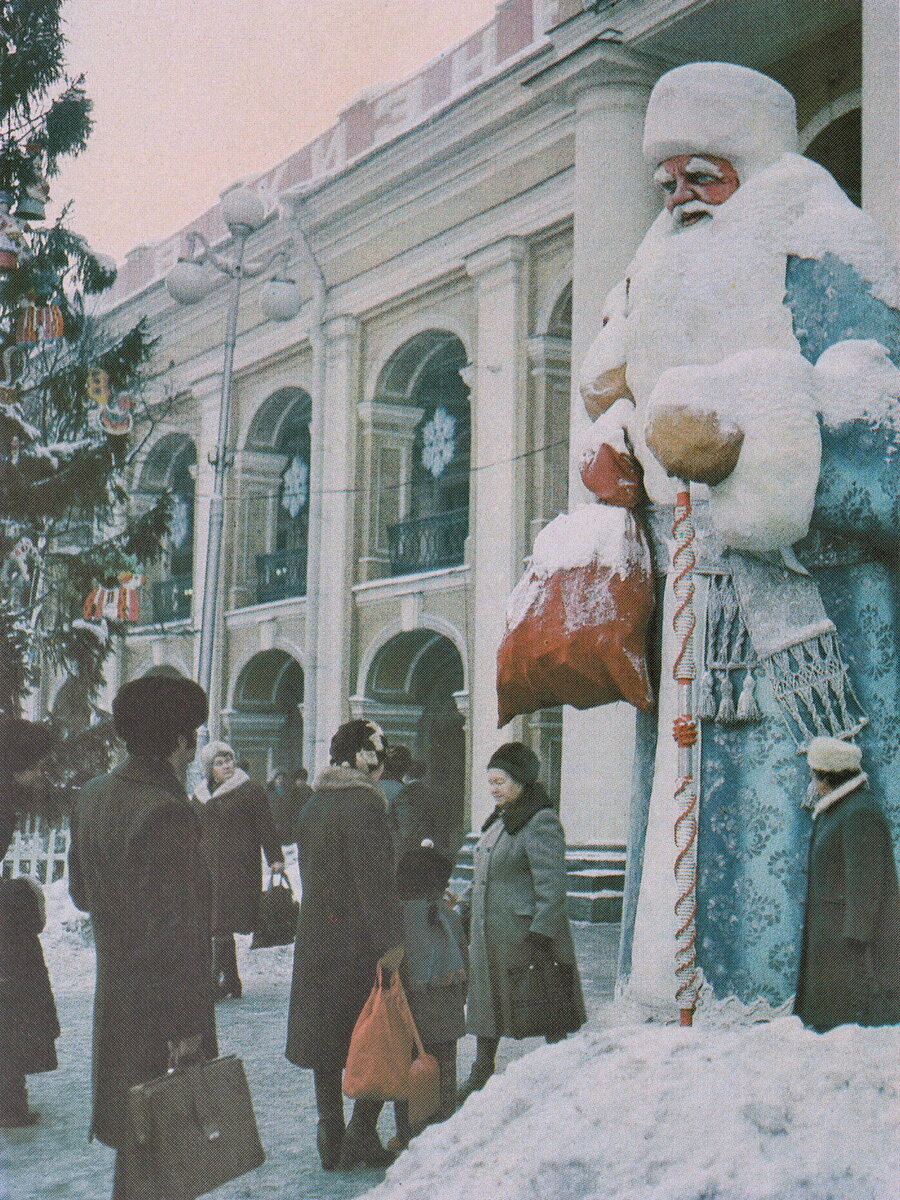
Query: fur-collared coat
x=518, y=886
x=136, y=866
x=349, y=914
x=236, y=821
x=852, y=897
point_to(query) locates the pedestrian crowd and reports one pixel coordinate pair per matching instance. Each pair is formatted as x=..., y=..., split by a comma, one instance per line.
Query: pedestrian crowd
x=169, y=880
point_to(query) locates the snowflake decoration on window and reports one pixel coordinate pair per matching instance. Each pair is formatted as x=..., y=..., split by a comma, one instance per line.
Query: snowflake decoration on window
x=295, y=490
x=180, y=525
x=438, y=441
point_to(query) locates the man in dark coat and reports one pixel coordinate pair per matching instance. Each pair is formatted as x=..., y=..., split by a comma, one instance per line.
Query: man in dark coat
x=850, y=958
x=286, y=803
x=349, y=920
x=28, y=1024
x=137, y=867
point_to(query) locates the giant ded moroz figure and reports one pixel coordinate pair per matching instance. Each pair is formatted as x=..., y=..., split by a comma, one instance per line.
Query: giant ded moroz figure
x=751, y=350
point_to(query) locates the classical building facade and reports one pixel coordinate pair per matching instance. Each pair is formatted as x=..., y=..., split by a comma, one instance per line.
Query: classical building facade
x=398, y=445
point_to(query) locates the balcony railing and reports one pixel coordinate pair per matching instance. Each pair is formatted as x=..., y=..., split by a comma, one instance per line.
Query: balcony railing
x=281, y=575
x=172, y=598
x=429, y=543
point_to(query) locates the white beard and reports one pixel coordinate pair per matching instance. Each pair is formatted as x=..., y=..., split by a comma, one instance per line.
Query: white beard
x=697, y=296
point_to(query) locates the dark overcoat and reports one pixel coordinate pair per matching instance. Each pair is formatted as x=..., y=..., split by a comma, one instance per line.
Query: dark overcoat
x=851, y=896
x=28, y=1023
x=417, y=812
x=349, y=914
x=136, y=865
x=236, y=821
x=519, y=886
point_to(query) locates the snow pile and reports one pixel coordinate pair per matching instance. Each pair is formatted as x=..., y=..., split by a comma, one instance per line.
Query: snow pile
x=857, y=381
x=641, y=1112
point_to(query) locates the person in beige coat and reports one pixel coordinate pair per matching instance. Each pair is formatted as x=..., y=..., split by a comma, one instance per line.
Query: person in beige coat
x=516, y=905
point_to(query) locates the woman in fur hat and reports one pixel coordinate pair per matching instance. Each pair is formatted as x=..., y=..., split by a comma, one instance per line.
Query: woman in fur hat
x=28, y=1023
x=236, y=820
x=349, y=920
x=520, y=863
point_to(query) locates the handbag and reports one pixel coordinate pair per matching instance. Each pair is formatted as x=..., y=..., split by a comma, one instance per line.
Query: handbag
x=276, y=915
x=198, y=1126
x=542, y=999
x=386, y=1060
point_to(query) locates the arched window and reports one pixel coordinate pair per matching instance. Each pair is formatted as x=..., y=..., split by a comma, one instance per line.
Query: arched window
x=170, y=468
x=276, y=481
x=266, y=719
x=420, y=478
x=410, y=692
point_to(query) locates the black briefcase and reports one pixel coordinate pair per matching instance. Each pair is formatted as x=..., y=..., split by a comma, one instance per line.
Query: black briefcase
x=197, y=1125
x=276, y=915
x=542, y=999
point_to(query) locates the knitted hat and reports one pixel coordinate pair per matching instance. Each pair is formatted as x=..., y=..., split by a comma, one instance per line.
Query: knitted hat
x=720, y=109
x=158, y=702
x=359, y=743
x=520, y=763
x=23, y=744
x=422, y=871
x=209, y=752
x=833, y=756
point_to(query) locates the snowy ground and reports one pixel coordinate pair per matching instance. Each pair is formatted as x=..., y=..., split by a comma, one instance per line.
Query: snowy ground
x=623, y=1111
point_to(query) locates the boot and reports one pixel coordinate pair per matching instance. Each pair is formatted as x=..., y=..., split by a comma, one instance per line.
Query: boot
x=478, y=1077
x=362, y=1146
x=482, y=1068
x=329, y=1139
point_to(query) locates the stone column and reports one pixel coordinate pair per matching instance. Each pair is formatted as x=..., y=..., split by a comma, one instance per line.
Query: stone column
x=881, y=114
x=497, y=509
x=615, y=202
x=332, y=576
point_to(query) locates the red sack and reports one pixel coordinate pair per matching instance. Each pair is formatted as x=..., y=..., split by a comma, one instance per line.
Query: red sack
x=576, y=623
x=386, y=1060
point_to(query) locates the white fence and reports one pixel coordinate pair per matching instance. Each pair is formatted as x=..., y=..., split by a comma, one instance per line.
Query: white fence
x=38, y=850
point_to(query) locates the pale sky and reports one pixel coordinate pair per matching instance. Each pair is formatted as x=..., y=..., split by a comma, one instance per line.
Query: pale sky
x=190, y=95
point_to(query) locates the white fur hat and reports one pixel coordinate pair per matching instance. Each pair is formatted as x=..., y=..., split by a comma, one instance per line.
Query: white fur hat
x=833, y=756
x=720, y=109
x=209, y=752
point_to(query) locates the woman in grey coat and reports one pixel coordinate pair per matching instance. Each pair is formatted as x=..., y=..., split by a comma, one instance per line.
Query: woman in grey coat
x=517, y=905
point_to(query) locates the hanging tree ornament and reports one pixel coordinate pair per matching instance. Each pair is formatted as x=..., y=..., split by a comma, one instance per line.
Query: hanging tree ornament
x=13, y=246
x=38, y=322
x=35, y=193
x=113, y=414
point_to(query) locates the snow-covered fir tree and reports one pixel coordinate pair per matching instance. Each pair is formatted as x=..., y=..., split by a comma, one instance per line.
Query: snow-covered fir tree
x=66, y=389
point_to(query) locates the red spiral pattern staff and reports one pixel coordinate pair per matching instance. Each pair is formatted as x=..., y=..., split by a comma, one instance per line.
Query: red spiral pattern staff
x=684, y=731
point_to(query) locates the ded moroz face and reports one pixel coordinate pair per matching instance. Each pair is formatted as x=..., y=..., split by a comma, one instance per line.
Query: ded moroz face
x=694, y=184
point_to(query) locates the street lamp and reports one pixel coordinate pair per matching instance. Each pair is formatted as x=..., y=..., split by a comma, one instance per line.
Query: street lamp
x=188, y=283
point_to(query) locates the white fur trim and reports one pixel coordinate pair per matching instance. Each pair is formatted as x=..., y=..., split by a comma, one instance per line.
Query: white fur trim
x=204, y=795
x=721, y=109
x=767, y=501
x=607, y=351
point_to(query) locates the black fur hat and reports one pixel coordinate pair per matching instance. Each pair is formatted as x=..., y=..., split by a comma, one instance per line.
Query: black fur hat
x=518, y=761
x=423, y=871
x=158, y=702
x=358, y=737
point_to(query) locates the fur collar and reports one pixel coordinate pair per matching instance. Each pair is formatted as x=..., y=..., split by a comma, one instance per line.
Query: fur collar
x=336, y=779
x=838, y=793
x=204, y=795
x=518, y=813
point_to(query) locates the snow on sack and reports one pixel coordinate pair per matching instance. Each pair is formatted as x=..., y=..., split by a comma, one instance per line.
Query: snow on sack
x=644, y=1112
x=576, y=622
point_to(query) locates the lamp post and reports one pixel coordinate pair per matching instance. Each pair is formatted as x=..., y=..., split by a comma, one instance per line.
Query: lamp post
x=188, y=283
